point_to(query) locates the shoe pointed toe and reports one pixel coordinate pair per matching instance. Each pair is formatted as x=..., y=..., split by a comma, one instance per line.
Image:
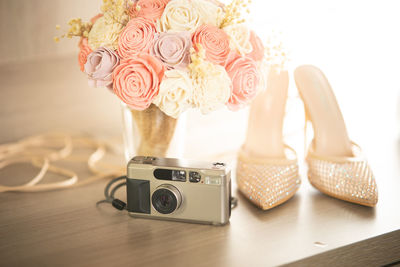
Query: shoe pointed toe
x=267, y=185
x=350, y=180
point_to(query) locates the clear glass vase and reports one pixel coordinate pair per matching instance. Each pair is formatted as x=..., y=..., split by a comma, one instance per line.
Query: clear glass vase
x=152, y=133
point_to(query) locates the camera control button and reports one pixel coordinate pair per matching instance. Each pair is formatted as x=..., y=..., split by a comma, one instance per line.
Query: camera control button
x=148, y=160
x=194, y=177
x=218, y=164
x=213, y=181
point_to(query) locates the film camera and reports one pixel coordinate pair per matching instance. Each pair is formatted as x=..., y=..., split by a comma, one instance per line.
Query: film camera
x=179, y=190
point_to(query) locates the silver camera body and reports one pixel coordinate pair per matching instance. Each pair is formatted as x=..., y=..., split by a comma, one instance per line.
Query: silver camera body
x=179, y=190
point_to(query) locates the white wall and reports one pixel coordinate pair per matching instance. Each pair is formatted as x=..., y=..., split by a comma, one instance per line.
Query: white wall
x=27, y=27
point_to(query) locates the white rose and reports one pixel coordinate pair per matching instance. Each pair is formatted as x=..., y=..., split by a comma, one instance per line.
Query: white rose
x=175, y=93
x=239, y=35
x=212, y=88
x=188, y=15
x=179, y=15
x=210, y=13
x=104, y=33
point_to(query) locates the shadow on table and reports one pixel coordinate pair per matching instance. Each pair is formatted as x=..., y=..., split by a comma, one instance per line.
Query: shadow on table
x=332, y=207
x=289, y=208
x=310, y=202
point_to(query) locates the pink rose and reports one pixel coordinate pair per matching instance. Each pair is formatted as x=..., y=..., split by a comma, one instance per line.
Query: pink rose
x=99, y=67
x=245, y=79
x=149, y=9
x=137, y=80
x=83, y=53
x=137, y=37
x=258, y=48
x=233, y=55
x=173, y=49
x=214, y=41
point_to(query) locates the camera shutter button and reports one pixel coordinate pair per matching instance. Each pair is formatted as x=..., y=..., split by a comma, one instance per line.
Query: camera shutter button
x=218, y=164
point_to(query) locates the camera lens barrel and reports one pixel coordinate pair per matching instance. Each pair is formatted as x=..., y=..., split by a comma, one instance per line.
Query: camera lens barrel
x=166, y=199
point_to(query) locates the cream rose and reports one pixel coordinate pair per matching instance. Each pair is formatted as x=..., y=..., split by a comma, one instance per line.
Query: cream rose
x=104, y=34
x=188, y=15
x=179, y=15
x=239, y=35
x=210, y=13
x=175, y=93
x=212, y=88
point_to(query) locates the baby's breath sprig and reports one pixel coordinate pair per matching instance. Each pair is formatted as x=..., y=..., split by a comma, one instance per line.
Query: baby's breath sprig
x=197, y=67
x=116, y=11
x=77, y=28
x=276, y=53
x=233, y=12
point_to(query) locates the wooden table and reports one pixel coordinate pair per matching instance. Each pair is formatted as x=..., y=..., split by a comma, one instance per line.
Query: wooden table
x=64, y=228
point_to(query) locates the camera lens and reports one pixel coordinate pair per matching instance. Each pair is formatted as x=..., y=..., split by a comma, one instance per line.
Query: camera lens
x=166, y=199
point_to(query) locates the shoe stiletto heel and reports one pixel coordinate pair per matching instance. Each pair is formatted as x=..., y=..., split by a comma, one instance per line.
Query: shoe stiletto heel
x=267, y=170
x=336, y=166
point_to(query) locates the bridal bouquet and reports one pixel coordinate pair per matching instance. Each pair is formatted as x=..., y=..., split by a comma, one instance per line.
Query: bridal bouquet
x=176, y=54
x=171, y=55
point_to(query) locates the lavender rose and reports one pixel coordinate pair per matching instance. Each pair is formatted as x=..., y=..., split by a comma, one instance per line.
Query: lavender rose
x=173, y=49
x=99, y=67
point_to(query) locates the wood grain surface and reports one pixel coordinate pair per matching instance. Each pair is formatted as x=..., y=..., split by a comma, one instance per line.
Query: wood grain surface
x=64, y=228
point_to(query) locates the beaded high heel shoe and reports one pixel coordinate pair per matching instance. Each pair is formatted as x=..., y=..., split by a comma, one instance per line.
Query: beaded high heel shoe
x=267, y=170
x=336, y=166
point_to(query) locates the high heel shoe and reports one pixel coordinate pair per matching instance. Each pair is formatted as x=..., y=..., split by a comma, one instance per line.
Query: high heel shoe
x=336, y=166
x=267, y=170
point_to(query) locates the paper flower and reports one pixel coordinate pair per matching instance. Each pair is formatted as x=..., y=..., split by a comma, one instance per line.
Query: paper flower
x=99, y=67
x=258, y=48
x=180, y=15
x=210, y=12
x=84, y=51
x=173, y=49
x=245, y=78
x=239, y=36
x=149, y=9
x=95, y=18
x=137, y=37
x=137, y=80
x=214, y=41
x=212, y=87
x=104, y=34
x=175, y=93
